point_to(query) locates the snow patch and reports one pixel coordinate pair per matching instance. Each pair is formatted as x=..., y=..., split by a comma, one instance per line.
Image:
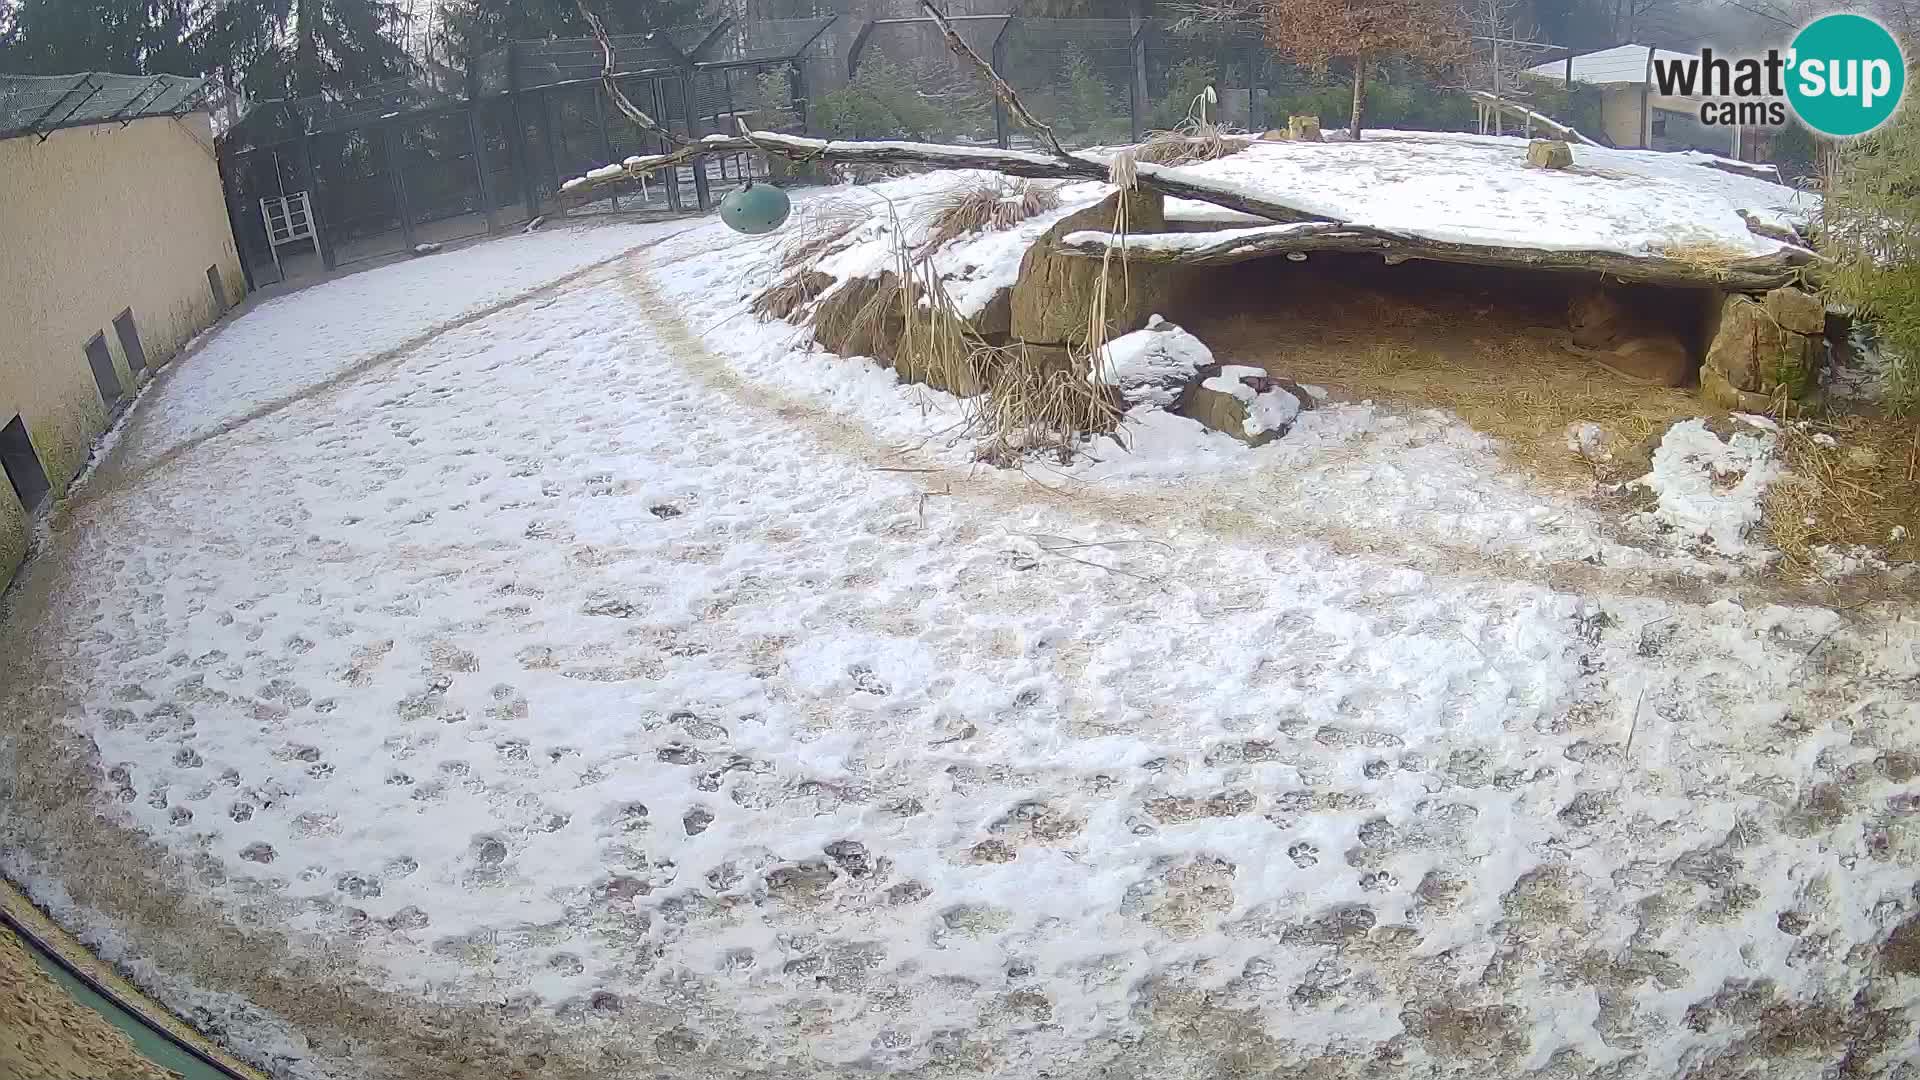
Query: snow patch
x=1709, y=487
x=1151, y=366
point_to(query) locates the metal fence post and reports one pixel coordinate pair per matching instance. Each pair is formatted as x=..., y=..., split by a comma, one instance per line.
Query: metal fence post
x=396, y=156
x=606, y=140
x=479, y=146
x=797, y=93
x=517, y=145
x=694, y=132
x=1137, y=86
x=553, y=161
x=1001, y=136
x=321, y=243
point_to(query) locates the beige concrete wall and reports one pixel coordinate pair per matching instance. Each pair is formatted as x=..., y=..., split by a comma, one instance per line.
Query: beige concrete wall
x=1620, y=115
x=95, y=220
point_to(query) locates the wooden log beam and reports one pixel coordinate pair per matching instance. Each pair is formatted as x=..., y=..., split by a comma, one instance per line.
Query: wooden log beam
x=1544, y=123
x=1230, y=246
x=1160, y=178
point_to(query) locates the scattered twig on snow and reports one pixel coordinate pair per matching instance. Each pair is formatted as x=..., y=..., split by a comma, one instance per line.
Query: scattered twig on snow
x=924, y=496
x=901, y=468
x=1635, y=725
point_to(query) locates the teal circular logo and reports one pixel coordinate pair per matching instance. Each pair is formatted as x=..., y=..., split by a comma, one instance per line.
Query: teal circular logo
x=1846, y=75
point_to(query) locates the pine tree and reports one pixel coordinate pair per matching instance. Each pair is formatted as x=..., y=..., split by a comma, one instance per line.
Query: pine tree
x=128, y=37
x=302, y=48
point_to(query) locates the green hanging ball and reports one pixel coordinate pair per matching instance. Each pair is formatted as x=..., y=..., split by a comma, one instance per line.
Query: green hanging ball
x=755, y=209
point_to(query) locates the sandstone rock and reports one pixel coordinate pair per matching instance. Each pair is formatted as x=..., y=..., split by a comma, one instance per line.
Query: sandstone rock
x=1753, y=352
x=1244, y=402
x=996, y=319
x=856, y=320
x=1801, y=312
x=864, y=317
x=1721, y=394
x=1549, y=154
x=1053, y=296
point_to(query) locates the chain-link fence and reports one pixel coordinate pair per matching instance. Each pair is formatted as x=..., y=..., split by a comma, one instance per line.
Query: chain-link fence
x=446, y=154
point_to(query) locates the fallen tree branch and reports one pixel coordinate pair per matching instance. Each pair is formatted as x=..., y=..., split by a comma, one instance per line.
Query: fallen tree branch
x=1163, y=179
x=1545, y=123
x=1231, y=246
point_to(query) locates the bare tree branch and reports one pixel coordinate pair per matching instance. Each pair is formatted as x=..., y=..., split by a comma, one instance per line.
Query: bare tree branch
x=1001, y=88
x=633, y=112
x=1164, y=179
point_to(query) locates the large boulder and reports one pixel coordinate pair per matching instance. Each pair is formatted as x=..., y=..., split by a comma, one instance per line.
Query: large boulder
x=1053, y=298
x=1756, y=347
x=1549, y=154
x=1244, y=402
x=1797, y=310
x=866, y=317
x=1151, y=366
x=861, y=318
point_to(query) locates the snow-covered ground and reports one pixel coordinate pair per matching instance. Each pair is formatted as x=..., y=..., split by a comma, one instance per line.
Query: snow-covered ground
x=302, y=340
x=607, y=685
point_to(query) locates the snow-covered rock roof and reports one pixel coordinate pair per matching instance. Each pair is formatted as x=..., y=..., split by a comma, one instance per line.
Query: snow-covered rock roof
x=1477, y=189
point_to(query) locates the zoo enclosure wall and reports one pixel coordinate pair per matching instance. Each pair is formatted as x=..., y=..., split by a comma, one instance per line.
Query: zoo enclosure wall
x=97, y=290
x=445, y=154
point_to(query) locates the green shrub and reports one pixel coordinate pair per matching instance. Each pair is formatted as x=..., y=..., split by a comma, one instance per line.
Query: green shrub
x=1184, y=83
x=886, y=100
x=1870, y=227
x=1087, y=107
x=769, y=102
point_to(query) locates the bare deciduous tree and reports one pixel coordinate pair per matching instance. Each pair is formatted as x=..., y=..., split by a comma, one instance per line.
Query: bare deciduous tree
x=1360, y=32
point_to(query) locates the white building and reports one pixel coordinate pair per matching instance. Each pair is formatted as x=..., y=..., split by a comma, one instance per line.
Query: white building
x=1633, y=113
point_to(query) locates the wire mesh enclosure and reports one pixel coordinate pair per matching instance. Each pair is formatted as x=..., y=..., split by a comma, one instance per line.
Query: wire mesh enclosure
x=39, y=104
x=446, y=154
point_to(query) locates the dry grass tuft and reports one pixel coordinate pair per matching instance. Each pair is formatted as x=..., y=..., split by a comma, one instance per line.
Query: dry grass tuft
x=791, y=295
x=1189, y=143
x=1039, y=401
x=1852, y=480
x=994, y=203
x=820, y=227
x=1705, y=254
